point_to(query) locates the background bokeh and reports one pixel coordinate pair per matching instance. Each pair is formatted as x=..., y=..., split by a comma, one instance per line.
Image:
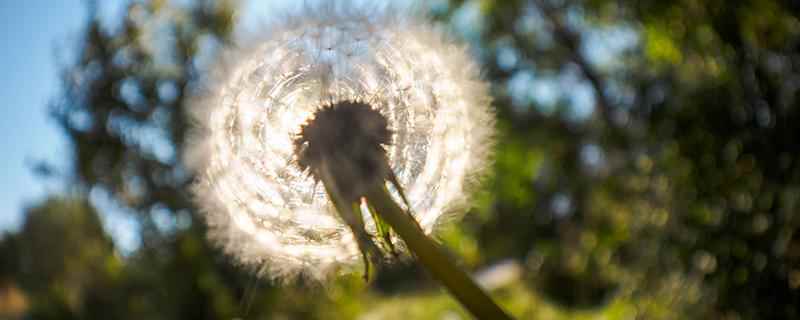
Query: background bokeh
x=646, y=165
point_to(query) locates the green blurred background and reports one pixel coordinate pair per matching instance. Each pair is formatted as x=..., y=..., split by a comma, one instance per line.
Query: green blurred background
x=646, y=169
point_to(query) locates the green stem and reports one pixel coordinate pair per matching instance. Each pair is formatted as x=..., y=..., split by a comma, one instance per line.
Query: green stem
x=460, y=285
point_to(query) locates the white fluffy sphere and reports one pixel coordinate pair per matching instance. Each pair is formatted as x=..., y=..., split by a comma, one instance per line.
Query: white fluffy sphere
x=260, y=207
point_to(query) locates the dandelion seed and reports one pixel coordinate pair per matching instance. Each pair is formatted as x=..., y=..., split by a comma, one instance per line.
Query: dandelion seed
x=260, y=204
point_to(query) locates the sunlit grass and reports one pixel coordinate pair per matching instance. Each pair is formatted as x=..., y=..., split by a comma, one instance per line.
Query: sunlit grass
x=517, y=298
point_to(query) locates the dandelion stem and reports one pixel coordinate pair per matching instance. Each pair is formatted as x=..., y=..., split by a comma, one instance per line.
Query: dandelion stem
x=428, y=253
x=354, y=221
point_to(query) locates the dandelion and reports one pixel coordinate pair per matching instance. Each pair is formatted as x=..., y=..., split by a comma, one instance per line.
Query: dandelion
x=305, y=139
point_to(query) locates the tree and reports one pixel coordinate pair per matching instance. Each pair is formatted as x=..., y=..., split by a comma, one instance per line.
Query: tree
x=62, y=260
x=646, y=155
x=687, y=163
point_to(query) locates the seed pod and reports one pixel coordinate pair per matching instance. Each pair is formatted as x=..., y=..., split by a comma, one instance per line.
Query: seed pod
x=259, y=202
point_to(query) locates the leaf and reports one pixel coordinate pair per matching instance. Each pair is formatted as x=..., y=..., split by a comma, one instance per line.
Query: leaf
x=383, y=229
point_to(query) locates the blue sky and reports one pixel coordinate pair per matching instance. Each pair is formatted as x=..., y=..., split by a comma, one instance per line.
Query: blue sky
x=36, y=35
x=39, y=37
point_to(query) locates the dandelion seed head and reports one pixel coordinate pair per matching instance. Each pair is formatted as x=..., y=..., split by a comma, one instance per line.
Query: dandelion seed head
x=260, y=205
